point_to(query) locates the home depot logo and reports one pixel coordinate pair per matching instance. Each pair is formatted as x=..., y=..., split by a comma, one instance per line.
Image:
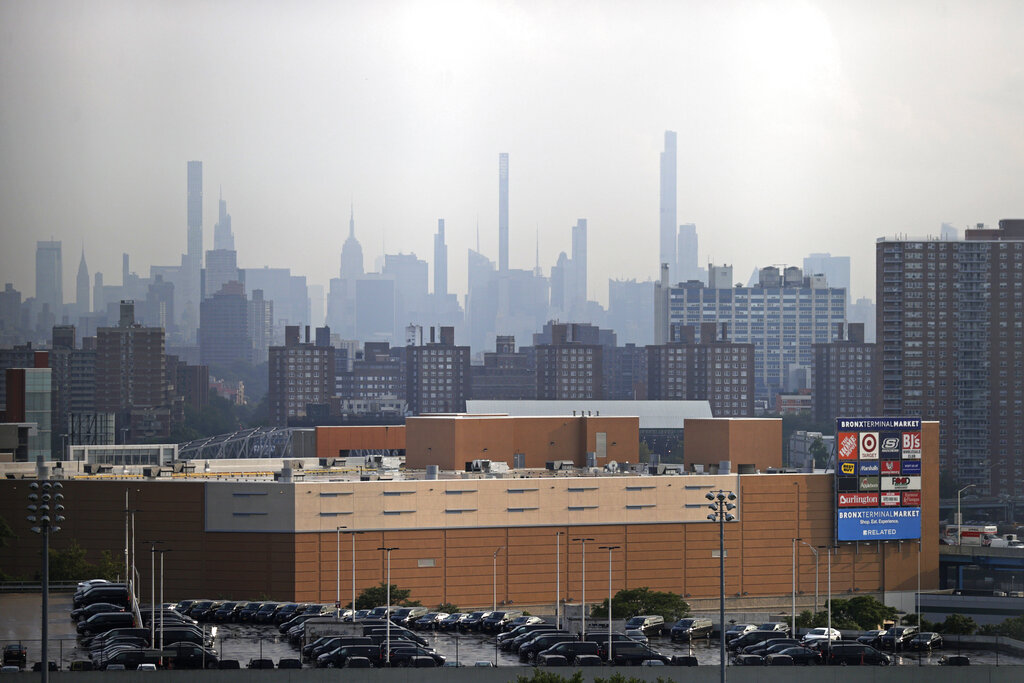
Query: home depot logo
x=847, y=448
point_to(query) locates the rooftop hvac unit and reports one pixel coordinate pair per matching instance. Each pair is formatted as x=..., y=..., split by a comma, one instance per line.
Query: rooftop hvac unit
x=519, y=461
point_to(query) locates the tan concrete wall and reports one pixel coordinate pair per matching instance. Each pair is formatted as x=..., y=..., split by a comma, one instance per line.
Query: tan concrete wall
x=743, y=441
x=330, y=440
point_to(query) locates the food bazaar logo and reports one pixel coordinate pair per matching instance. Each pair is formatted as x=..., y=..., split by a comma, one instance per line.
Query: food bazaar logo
x=901, y=483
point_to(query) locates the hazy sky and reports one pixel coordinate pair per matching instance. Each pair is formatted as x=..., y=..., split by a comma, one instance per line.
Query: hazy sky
x=802, y=127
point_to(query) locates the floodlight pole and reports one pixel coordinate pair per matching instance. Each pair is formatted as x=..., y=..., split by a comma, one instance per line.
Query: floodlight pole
x=721, y=505
x=610, y=548
x=815, y=551
x=558, y=579
x=337, y=573
x=387, y=616
x=494, y=580
x=583, y=590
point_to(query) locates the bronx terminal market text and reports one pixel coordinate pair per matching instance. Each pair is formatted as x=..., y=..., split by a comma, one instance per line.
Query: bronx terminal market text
x=876, y=523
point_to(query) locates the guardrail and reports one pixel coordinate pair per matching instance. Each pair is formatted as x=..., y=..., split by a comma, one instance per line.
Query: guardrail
x=35, y=587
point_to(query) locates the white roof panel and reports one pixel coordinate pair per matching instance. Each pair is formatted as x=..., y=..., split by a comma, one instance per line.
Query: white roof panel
x=652, y=414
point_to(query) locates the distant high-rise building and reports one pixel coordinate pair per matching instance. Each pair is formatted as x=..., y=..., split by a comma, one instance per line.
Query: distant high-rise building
x=863, y=311
x=195, y=212
x=261, y=325
x=950, y=325
x=223, y=238
x=351, y=252
x=502, y=212
x=30, y=399
x=82, y=287
x=221, y=268
x=782, y=316
x=49, y=277
x=847, y=377
x=630, y=312
x=440, y=261
x=686, y=257
x=667, y=253
x=131, y=378
x=411, y=277
x=715, y=370
x=481, y=299
x=569, y=369
x=579, y=265
x=290, y=397
x=505, y=375
x=836, y=270
x=438, y=375
x=224, y=336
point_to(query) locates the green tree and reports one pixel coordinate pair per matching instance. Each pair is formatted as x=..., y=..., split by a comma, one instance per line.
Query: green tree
x=70, y=564
x=447, y=607
x=819, y=453
x=636, y=601
x=645, y=452
x=912, y=620
x=1011, y=628
x=958, y=624
x=377, y=596
x=109, y=567
x=543, y=676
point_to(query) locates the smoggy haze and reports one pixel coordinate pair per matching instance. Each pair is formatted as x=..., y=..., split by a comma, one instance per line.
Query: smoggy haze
x=802, y=127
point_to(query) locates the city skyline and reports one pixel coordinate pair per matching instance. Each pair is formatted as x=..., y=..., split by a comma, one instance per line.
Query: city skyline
x=802, y=128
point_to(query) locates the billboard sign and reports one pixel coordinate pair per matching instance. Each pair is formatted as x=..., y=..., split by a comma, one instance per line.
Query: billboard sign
x=883, y=457
x=878, y=524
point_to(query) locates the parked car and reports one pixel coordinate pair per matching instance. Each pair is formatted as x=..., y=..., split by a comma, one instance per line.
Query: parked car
x=495, y=621
x=926, y=640
x=83, y=613
x=691, y=628
x=111, y=593
x=15, y=654
x=551, y=660
x=258, y=663
x=523, y=620
x=520, y=640
x=856, y=653
x=528, y=651
x=633, y=654
x=246, y=613
x=104, y=621
x=737, y=630
x=637, y=635
x=286, y=612
x=803, y=655
x=650, y=624
x=358, y=663
x=780, y=626
x=357, y=616
x=338, y=657
x=751, y=638
x=198, y=608
x=816, y=636
x=897, y=637
x=572, y=649
x=289, y=663
x=871, y=637
x=265, y=614
x=472, y=622
x=504, y=639
x=428, y=621
x=404, y=656
x=226, y=611
x=602, y=641
x=451, y=622
x=764, y=647
x=188, y=655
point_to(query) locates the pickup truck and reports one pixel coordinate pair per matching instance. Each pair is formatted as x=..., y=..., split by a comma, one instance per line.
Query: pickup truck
x=15, y=654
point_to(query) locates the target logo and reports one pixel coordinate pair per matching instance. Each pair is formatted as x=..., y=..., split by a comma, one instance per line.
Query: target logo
x=869, y=445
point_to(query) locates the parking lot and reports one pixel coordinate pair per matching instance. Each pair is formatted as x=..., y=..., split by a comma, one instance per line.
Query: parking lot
x=20, y=622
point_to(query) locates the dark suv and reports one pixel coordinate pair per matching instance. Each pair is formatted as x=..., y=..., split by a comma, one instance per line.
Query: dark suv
x=528, y=650
x=690, y=629
x=897, y=637
x=495, y=621
x=633, y=654
x=572, y=649
x=15, y=654
x=752, y=638
x=856, y=653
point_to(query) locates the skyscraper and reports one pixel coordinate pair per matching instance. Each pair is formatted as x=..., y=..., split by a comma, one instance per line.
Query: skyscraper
x=82, y=288
x=223, y=238
x=49, y=280
x=579, y=263
x=440, y=261
x=503, y=212
x=195, y=212
x=950, y=325
x=351, y=252
x=668, y=205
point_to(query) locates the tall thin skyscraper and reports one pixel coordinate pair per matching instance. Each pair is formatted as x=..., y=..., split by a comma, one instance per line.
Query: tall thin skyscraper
x=223, y=238
x=503, y=212
x=668, y=205
x=49, y=278
x=82, y=288
x=195, y=212
x=579, y=263
x=440, y=261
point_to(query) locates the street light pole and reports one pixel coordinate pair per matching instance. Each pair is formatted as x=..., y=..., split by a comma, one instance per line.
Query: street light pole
x=815, y=551
x=558, y=579
x=337, y=573
x=960, y=517
x=829, y=636
x=583, y=590
x=792, y=628
x=721, y=507
x=152, y=590
x=354, y=575
x=494, y=579
x=610, y=548
x=387, y=636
